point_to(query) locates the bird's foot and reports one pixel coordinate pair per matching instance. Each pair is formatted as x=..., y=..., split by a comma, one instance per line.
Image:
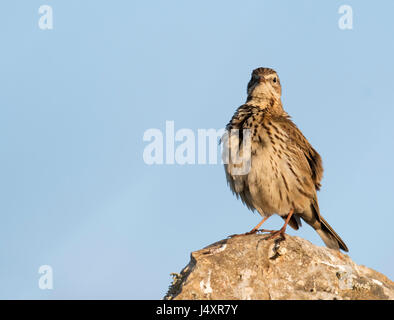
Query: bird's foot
x=253, y=231
x=266, y=230
x=276, y=233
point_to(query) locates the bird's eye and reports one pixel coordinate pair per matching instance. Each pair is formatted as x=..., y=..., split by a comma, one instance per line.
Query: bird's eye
x=274, y=80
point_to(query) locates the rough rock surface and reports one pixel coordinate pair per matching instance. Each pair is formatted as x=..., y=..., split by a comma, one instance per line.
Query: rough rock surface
x=251, y=267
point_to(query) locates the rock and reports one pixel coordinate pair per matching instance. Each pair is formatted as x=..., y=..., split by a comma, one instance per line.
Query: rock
x=251, y=267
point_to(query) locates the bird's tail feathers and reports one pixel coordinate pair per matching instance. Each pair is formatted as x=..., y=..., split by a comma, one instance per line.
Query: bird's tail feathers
x=330, y=237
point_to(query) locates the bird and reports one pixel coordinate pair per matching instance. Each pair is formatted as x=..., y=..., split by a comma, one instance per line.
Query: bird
x=284, y=171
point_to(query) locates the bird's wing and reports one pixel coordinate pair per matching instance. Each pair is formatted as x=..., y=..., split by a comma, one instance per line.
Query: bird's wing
x=298, y=141
x=237, y=181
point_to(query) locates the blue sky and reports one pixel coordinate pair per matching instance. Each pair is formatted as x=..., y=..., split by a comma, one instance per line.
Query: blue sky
x=76, y=100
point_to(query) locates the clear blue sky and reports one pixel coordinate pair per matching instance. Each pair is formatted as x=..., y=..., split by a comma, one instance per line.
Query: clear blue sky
x=75, y=102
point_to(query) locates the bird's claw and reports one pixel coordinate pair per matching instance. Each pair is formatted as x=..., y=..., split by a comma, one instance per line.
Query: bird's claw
x=266, y=230
x=275, y=234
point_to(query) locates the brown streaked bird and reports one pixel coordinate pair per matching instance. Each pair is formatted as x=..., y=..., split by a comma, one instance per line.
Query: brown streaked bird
x=285, y=170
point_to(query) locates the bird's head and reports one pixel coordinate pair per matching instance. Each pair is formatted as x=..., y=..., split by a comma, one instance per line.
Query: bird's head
x=264, y=85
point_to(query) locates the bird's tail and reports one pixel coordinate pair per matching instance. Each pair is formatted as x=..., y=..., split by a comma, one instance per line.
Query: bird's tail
x=330, y=237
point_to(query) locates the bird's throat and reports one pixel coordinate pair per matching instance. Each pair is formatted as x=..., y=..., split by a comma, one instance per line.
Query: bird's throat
x=264, y=102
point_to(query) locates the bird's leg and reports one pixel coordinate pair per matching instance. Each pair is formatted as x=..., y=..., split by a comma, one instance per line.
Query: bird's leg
x=282, y=230
x=254, y=230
